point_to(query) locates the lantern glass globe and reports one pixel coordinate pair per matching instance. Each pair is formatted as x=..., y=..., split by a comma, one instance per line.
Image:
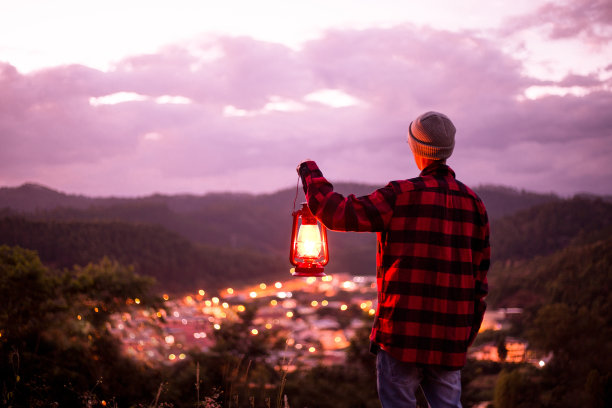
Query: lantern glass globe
x=309, y=241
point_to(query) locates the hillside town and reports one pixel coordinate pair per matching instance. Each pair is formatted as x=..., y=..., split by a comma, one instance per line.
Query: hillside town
x=314, y=319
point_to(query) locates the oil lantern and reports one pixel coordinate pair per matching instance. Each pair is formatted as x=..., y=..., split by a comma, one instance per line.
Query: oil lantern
x=308, y=252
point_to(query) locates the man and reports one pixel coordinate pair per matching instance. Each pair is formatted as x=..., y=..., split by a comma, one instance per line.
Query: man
x=432, y=262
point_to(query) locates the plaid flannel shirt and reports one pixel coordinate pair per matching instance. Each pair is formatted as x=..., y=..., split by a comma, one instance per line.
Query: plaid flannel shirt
x=432, y=259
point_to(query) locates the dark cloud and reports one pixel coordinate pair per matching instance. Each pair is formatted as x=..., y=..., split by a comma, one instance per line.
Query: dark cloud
x=591, y=19
x=249, y=122
x=588, y=81
x=241, y=71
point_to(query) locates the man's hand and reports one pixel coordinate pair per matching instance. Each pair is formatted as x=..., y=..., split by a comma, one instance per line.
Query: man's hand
x=299, y=167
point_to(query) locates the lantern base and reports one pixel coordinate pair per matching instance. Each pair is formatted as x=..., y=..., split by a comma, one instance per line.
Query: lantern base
x=308, y=271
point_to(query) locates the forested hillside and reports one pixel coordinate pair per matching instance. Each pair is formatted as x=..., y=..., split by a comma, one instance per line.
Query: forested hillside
x=33, y=198
x=549, y=227
x=216, y=238
x=567, y=311
x=257, y=222
x=175, y=262
x=554, y=261
x=533, y=248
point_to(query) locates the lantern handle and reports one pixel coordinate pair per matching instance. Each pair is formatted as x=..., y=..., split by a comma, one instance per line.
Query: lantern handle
x=325, y=250
x=297, y=186
x=294, y=230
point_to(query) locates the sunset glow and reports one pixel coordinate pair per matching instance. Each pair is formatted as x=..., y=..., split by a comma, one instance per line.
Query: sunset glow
x=165, y=99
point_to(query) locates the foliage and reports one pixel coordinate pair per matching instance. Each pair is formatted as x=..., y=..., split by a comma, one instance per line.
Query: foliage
x=234, y=373
x=338, y=386
x=511, y=390
x=577, y=275
x=352, y=384
x=569, y=314
x=478, y=381
x=546, y=228
x=29, y=197
x=55, y=347
x=245, y=223
x=233, y=339
x=28, y=295
x=502, y=351
x=176, y=263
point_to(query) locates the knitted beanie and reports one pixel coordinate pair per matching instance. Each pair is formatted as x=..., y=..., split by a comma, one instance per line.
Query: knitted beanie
x=432, y=135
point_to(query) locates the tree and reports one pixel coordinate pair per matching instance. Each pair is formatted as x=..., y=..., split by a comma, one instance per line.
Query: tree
x=502, y=351
x=510, y=390
x=55, y=346
x=28, y=294
x=570, y=315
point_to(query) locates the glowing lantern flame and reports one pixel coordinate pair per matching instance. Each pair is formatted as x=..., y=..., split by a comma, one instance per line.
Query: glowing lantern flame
x=309, y=241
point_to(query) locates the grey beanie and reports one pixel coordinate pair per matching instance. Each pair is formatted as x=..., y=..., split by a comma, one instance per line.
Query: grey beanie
x=432, y=135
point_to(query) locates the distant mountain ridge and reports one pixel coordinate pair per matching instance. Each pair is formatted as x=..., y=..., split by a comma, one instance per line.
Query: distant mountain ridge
x=235, y=220
x=223, y=237
x=32, y=197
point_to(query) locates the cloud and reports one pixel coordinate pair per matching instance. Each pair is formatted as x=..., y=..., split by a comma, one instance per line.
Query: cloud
x=234, y=113
x=590, y=19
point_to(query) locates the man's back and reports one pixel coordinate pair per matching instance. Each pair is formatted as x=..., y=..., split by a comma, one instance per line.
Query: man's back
x=428, y=275
x=432, y=258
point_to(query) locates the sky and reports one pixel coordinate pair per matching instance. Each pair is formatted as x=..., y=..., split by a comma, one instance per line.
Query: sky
x=131, y=98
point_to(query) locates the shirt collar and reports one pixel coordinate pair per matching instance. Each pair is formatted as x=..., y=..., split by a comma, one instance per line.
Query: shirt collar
x=437, y=168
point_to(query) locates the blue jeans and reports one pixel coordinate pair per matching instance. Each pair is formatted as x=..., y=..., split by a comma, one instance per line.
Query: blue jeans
x=397, y=383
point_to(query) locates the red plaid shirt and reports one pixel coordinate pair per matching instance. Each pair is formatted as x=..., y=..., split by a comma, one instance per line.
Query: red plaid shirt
x=432, y=259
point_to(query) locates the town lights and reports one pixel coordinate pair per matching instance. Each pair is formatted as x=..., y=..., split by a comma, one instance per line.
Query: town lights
x=308, y=252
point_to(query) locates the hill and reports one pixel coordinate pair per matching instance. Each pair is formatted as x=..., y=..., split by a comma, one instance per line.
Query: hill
x=217, y=238
x=567, y=312
x=578, y=275
x=549, y=227
x=258, y=222
x=176, y=263
x=34, y=198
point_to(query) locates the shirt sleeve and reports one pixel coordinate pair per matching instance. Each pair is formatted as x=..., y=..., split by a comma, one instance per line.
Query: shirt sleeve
x=371, y=213
x=481, y=262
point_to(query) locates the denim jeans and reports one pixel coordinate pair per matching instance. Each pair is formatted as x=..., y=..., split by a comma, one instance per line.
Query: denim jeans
x=397, y=383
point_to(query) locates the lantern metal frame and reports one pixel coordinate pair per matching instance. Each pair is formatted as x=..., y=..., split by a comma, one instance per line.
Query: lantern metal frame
x=307, y=266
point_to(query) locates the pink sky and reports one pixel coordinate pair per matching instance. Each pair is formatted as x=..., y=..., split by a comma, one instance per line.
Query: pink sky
x=135, y=100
